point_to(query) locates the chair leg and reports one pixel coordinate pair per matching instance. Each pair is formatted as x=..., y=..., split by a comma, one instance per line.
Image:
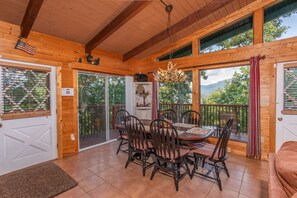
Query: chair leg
x=188, y=169
x=217, y=171
x=175, y=176
x=129, y=158
x=226, y=169
x=121, y=142
x=154, y=171
x=143, y=159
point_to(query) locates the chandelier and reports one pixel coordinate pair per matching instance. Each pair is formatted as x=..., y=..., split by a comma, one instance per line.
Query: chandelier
x=171, y=74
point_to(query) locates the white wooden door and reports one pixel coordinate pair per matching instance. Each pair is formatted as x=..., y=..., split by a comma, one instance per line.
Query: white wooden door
x=286, y=103
x=29, y=140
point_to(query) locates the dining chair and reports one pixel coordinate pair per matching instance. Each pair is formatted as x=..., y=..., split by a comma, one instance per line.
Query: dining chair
x=140, y=148
x=224, y=116
x=213, y=155
x=169, y=156
x=120, y=117
x=191, y=117
x=168, y=114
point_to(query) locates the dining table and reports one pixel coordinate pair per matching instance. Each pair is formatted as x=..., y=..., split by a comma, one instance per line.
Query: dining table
x=187, y=133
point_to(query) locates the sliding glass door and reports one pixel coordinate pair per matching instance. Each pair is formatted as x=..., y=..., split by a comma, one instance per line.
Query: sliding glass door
x=99, y=97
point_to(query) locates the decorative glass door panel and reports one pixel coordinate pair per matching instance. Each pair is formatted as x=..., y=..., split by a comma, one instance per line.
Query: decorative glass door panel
x=92, y=109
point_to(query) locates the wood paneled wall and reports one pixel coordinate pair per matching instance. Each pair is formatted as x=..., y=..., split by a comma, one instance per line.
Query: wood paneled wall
x=277, y=51
x=61, y=53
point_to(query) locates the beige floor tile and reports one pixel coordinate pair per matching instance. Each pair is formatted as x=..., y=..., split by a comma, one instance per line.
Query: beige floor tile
x=98, y=168
x=225, y=193
x=107, y=191
x=253, y=191
x=74, y=192
x=82, y=174
x=91, y=183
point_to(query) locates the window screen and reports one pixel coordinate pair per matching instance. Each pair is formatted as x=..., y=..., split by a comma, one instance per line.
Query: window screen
x=290, y=88
x=25, y=90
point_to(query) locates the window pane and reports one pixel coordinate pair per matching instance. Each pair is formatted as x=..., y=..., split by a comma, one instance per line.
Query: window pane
x=182, y=52
x=237, y=35
x=280, y=21
x=290, y=89
x=176, y=96
x=25, y=90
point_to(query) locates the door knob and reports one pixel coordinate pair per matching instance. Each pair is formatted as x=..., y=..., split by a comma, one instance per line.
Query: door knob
x=280, y=119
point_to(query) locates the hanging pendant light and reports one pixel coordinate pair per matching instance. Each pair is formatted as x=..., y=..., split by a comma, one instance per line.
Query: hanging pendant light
x=171, y=74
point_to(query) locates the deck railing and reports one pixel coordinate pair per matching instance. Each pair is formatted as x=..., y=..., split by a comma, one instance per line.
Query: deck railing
x=92, y=119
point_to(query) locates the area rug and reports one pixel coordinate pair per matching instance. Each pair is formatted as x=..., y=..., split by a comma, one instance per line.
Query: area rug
x=40, y=181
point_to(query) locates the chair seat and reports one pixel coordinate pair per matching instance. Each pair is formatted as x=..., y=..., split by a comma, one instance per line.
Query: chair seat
x=205, y=150
x=182, y=152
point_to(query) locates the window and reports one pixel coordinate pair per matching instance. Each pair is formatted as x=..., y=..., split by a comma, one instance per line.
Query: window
x=290, y=89
x=182, y=52
x=225, y=93
x=237, y=35
x=280, y=21
x=25, y=90
x=176, y=96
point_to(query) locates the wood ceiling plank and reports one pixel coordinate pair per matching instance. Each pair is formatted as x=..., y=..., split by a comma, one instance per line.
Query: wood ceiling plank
x=30, y=16
x=134, y=8
x=185, y=22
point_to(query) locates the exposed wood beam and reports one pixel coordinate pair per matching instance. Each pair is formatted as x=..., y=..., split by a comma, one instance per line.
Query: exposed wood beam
x=30, y=16
x=133, y=9
x=185, y=22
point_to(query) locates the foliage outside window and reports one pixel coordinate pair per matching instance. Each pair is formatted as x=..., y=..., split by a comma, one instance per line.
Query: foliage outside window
x=237, y=35
x=181, y=52
x=234, y=90
x=176, y=96
x=280, y=21
x=25, y=90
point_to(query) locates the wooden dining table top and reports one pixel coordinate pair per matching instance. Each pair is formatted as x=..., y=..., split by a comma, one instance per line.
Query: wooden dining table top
x=187, y=132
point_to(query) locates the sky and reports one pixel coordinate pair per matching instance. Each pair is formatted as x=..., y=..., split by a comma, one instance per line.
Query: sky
x=216, y=75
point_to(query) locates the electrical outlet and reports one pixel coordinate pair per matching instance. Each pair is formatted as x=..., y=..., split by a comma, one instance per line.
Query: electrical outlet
x=72, y=137
x=229, y=149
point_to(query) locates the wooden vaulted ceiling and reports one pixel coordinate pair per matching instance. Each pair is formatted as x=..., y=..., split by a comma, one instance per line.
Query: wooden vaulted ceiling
x=116, y=26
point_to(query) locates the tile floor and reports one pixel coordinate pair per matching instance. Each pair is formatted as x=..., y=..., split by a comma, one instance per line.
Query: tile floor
x=101, y=173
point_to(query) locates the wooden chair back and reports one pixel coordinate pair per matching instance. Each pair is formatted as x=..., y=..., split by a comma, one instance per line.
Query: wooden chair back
x=165, y=139
x=136, y=133
x=191, y=117
x=169, y=115
x=220, y=151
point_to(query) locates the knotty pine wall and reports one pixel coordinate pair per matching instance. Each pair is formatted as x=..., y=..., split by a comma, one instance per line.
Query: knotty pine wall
x=277, y=51
x=62, y=53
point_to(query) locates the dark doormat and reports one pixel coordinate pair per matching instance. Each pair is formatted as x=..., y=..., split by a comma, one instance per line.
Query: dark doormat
x=43, y=180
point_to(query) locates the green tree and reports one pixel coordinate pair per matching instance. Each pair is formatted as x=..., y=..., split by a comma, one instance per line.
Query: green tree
x=235, y=91
x=176, y=93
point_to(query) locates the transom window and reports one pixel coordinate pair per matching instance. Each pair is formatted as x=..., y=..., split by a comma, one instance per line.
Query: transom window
x=280, y=21
x=181, y=52
x=237, y=35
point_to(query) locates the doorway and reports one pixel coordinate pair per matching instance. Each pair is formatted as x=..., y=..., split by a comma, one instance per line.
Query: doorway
x=99, y=97
x=286, y=103
x=28, y=125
